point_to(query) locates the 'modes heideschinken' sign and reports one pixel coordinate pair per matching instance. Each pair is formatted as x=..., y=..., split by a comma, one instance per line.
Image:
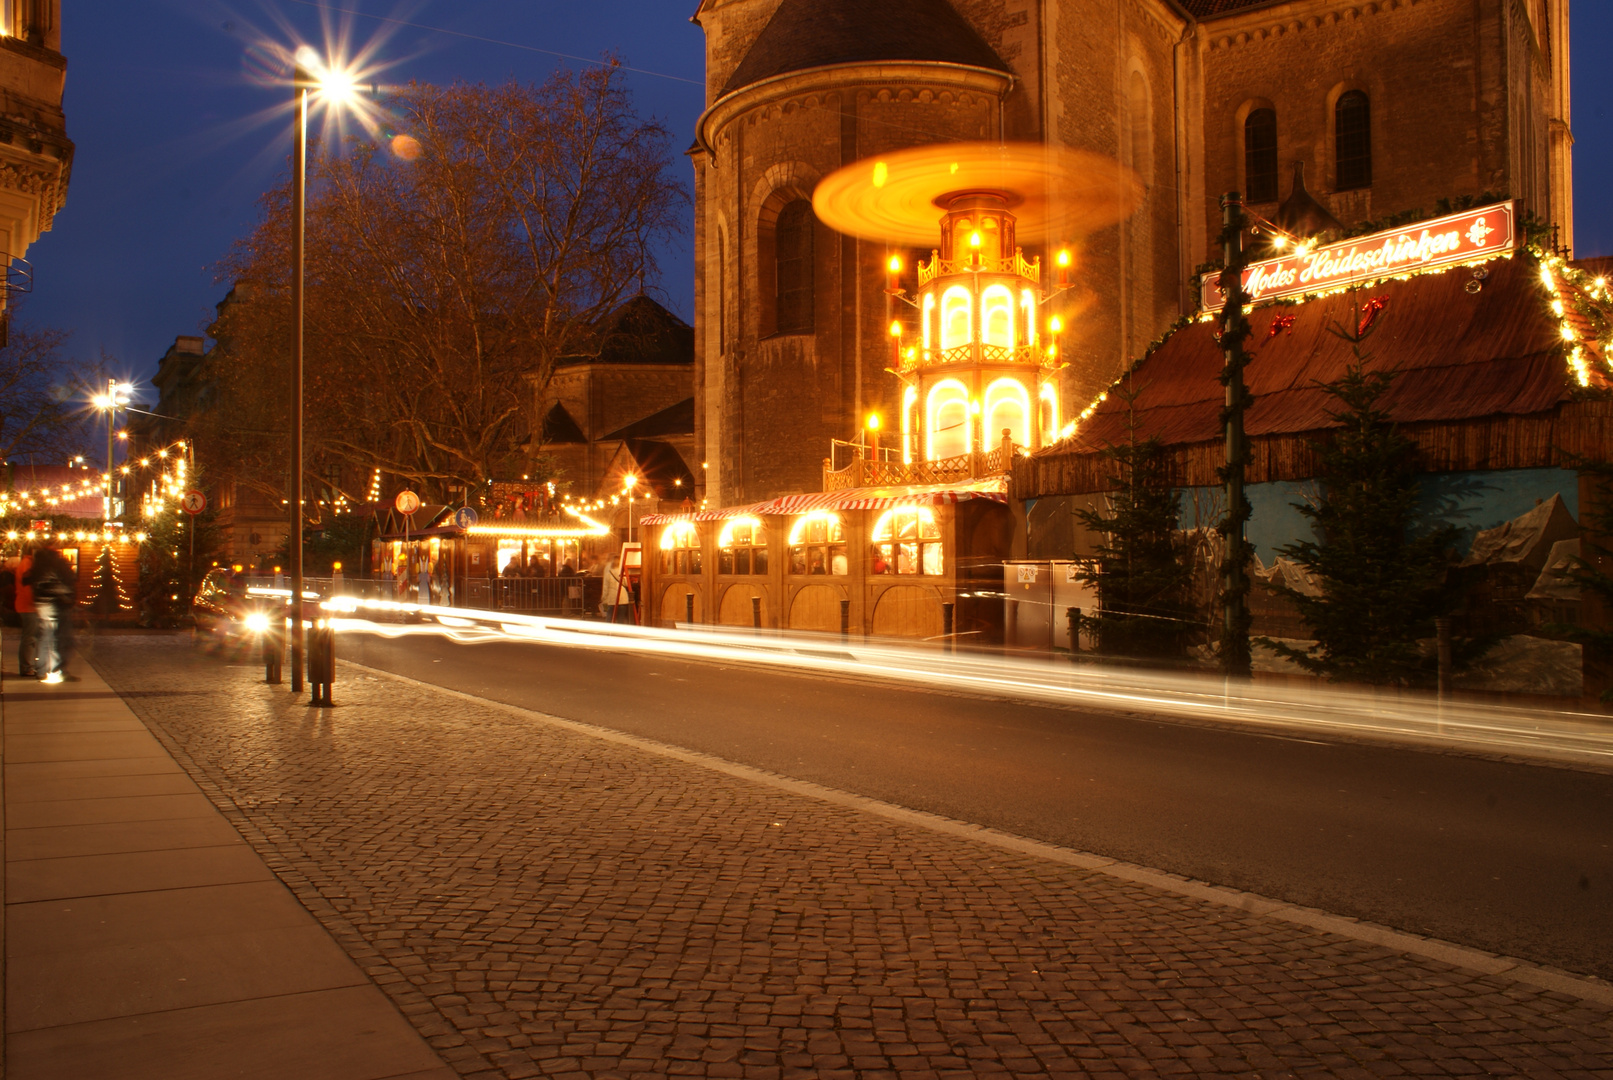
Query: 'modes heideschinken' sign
x=1469, y=236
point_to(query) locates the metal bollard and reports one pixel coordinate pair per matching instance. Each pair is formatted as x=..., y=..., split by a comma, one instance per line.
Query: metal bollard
x=274, y=651
x=321, y=662
x=756, y=612
x=688, y=607
x=947, y=609
x=1442, y=635
x=845, y=618
x=1074, y=615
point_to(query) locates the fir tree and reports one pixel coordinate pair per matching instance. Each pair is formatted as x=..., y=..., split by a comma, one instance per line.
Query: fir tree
x=1382, y=580
x=1142, y=575
x=1591, y=569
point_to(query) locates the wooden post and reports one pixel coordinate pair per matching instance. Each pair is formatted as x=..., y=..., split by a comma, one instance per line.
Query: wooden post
x=947, y=625
x=756, y=612
x=845, y=618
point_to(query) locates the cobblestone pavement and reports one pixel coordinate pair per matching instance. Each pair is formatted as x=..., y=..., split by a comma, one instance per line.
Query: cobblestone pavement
x=543, y=903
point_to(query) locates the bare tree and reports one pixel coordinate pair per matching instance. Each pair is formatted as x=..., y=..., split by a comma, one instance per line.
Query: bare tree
x=446, y=269
x=41, y=400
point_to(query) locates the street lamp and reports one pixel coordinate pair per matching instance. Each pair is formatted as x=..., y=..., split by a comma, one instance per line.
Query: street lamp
x=630, y=485
x=116, y=396
x=310, y=76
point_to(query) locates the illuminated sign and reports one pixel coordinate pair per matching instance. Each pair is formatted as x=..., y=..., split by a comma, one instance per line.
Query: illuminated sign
x=1469, y=236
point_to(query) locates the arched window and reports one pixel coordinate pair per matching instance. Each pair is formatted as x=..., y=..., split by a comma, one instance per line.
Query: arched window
x=742, y=547
x=957, y=327
x=722, y=292
x=1260, y=156
x=1352, y=141
x=907, y=541
x=1007, y=406
x=997, y=316
x=818, y=545
x=1141, y=148
x=948, y=415
x=1050, y=413
x=792, y=246
x=929, y=320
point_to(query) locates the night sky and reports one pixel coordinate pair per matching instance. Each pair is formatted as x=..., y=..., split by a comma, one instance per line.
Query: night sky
x=178, y=133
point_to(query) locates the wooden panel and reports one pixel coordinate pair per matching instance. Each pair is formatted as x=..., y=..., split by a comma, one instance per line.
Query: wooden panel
x=736, y=605
x=674, y=607
x=816, y=607
x=912, y=611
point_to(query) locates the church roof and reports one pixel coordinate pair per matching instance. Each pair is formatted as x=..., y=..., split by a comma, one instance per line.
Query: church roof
x=1209, y=9
x=806, y=34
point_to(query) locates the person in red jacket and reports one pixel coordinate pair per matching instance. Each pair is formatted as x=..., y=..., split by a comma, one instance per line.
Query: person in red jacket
x=28, y=616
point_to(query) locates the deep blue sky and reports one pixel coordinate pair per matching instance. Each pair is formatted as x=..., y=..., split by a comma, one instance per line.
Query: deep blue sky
x=161, y=94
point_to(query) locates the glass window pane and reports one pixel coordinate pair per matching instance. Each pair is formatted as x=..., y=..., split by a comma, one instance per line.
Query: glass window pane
x=1260, y=156
x=837, y=560
x=798, y=560
x=759, y=561
x=742, y=561
x=932, y=559
x=882, y=559
x=694, y=561
x=725, y=561
x=837, y=531
x=929, y=530
x=907, y=559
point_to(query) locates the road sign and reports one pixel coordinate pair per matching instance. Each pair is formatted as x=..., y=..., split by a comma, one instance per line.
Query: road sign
x=464, y=517
x=193, y=502
x=39, y=525
x=407, y=502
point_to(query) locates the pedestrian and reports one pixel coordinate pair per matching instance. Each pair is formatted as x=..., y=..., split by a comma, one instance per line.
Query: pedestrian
x=52, y=580
x=27, y=618
x=612, y=587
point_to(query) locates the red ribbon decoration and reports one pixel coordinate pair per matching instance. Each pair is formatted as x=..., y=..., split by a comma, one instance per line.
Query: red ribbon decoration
x=1369, y=314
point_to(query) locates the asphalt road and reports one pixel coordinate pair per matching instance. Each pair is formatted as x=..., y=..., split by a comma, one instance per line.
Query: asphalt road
x=1513, y=858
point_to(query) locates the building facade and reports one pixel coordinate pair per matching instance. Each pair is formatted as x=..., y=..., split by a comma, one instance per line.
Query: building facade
x=36, y=157
x=1374, y=108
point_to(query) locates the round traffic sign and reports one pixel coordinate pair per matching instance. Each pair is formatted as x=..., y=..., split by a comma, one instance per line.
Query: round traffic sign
x=465, y=517
x=193, y=502
x=407, y=502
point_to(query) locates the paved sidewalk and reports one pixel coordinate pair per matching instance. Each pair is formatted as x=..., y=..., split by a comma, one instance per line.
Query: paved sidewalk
x=541, y=901
x=143, y=937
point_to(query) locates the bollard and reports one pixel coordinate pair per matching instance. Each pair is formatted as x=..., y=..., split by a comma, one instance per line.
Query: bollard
x=1442, y=634
x=1074, y=615
x=845, y=618
x=756, y=612
x=274, y=649
x=688, y=606
x=321, y=662
x=947, y=609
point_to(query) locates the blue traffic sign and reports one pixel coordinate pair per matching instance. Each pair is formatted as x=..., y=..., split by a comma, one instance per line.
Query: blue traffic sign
x=465, y=517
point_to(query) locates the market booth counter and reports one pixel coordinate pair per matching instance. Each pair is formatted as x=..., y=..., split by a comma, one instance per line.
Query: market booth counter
x=912, y=562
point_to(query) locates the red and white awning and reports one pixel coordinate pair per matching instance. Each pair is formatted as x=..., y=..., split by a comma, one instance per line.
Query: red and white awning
x=993, y=488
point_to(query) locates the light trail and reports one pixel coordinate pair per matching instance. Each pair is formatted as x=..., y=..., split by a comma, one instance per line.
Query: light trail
x=1562, y=736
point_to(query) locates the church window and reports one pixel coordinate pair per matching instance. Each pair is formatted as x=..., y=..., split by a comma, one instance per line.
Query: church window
x=1260, y=156
x=1352, y=141
x=793, y=253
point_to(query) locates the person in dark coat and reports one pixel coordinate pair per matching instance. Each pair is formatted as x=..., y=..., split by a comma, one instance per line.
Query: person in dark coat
x=55, y=591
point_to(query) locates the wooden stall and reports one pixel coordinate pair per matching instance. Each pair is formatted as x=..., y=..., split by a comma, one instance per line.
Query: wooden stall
x=874, y=562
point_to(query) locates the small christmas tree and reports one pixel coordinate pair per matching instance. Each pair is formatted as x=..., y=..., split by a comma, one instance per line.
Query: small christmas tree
x=1383, y=581
x=107, y=593
x=1142, y=575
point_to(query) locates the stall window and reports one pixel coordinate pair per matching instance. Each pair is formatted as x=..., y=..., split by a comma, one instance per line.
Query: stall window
x=680, y=548
x=818, y=545
x=742, y=547
x=907, y=541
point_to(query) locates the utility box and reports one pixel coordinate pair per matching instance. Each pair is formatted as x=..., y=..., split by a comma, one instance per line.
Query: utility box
x=1037, y=597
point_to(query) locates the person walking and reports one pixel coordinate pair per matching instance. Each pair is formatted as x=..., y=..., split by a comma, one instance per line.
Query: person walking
x=613, y=589
x=27, y=618
x=52, y=580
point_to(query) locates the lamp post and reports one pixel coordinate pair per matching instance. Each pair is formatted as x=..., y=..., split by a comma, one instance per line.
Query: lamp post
x=117, y=395
x=630, y=485
x=309, y=74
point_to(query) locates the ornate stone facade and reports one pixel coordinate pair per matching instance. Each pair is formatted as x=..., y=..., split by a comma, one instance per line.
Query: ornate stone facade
x=36, y=156
x=1389, y=106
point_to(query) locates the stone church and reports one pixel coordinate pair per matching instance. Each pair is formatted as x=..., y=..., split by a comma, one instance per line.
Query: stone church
x=1324, y=113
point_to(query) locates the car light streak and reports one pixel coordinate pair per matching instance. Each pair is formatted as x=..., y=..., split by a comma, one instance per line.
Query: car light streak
x=1398, y=715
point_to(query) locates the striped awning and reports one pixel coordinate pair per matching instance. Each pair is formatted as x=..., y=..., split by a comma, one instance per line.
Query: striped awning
x=880, y=498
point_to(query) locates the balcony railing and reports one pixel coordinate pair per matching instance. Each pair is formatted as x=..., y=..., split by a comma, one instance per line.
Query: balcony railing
x=867, y=472
x=1015, y=264
x=976, y=352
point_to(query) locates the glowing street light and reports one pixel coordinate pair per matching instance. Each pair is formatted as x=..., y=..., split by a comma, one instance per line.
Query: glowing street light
x=630, y=487
x=116, y=396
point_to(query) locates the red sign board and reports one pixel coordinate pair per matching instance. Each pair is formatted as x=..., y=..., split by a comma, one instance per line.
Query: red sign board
x=39, y=525
x=1469, y=236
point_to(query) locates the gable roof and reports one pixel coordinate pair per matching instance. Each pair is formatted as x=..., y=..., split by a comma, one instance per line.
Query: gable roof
x=675, y=419
x=638, y=331
x=805, y=34
x=560, y=427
